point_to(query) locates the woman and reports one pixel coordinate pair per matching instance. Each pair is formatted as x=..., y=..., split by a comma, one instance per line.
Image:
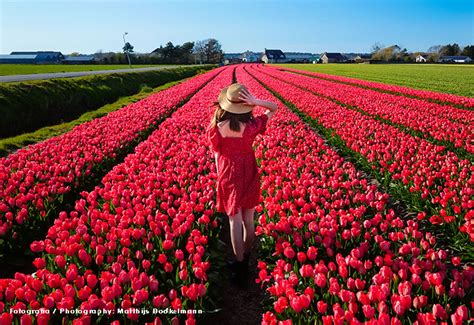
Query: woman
x=232, y=132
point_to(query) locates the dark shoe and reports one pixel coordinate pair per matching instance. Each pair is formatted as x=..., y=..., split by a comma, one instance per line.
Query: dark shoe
x=231, y=264
x=240, y=276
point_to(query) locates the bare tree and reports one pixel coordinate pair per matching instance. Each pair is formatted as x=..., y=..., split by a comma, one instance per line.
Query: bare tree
x=376, y=47
x=208, y=51
x=199, y=51
x=434, y=49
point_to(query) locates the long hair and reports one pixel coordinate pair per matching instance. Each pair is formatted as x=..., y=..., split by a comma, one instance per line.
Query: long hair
x=234, y=119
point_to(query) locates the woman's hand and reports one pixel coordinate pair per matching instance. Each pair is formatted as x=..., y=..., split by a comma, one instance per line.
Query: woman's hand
x=248, y=98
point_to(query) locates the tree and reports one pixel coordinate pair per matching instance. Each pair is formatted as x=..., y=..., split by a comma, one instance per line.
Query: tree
x=433, y=57
x=468, y=51
x=127, y=48
x=186, y=52
x=199, y=51
x=208, y=51
x=166, y=53
x=391, y=53
x=214, y=53
x=376, y=48
x=175, y=54
x=450, y=50
x=434, y=49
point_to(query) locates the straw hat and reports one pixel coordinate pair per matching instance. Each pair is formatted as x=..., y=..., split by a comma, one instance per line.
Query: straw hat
x=229, y=99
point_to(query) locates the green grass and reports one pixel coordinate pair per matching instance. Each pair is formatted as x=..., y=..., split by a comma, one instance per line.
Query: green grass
x=10, y=144
x=444, y=78
x=28, y=106
x=12, y=69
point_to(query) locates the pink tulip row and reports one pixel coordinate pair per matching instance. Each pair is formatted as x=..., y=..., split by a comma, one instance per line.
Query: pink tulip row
x=406, y=91
x=140, y=240
x=34, y=180
x=424, y=175
x=332, y=250
x=450, y=125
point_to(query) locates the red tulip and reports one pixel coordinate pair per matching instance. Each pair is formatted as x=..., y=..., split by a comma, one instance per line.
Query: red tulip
x=322, y=307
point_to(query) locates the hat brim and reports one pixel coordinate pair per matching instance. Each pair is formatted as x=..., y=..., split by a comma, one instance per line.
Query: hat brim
x=236, y=108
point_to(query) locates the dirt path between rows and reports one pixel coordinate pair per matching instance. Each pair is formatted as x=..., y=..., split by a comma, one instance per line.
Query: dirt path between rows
x=239, y=306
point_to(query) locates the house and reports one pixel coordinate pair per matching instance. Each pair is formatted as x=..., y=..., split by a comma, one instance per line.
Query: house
x=455, y=59
x=80, y=59
x=328, y=57
x=230, y=58
x=422, y=58
x=298, y=57
x=315, y=58
x=362, y=58
x=43, y=56
x=273, y=56
x=350, y=56
x=249, y=56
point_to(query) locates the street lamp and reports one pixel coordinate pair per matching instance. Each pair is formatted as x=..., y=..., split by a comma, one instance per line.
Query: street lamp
x=125, y=44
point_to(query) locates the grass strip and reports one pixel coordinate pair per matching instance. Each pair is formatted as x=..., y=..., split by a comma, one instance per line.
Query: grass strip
x=28, y=106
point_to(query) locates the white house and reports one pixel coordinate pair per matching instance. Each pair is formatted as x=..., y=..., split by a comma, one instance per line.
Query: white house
x=249, y=56
x=422, y=58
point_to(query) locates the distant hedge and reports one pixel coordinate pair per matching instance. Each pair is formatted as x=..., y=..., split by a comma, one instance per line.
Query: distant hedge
x=27, y=106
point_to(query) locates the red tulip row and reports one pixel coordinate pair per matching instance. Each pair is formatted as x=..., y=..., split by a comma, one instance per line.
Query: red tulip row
x=332, y=250
x=140, y=241
x=35, y=180
x=423, y=175
x=405, y=91
x=449, y=125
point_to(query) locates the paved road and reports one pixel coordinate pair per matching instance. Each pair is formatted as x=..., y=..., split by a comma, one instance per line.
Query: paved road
x=38, y=76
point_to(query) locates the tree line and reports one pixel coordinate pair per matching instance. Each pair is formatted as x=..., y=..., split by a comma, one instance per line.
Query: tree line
x=395, y=53
x=202, y=52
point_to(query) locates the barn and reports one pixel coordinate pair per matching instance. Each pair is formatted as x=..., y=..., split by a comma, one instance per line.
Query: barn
x=455, y=59
x=80, y=59
x=43, y=56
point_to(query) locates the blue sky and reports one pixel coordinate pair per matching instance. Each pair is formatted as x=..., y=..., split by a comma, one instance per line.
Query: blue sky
x=300, y=25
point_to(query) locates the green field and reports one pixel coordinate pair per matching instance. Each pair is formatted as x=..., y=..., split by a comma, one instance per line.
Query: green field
x=12, y=69
x=445, y=78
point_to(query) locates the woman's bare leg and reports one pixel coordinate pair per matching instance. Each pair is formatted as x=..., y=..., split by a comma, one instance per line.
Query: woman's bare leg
x=249, y=229
x=235, y=223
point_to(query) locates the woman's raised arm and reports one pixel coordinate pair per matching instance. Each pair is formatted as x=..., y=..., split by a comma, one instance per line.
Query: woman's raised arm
x=251, y=100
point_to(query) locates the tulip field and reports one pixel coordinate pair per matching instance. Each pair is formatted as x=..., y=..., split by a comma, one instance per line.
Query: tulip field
x=366, y=214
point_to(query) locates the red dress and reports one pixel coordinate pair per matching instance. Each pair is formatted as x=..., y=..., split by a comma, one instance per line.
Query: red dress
x=238, y=178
